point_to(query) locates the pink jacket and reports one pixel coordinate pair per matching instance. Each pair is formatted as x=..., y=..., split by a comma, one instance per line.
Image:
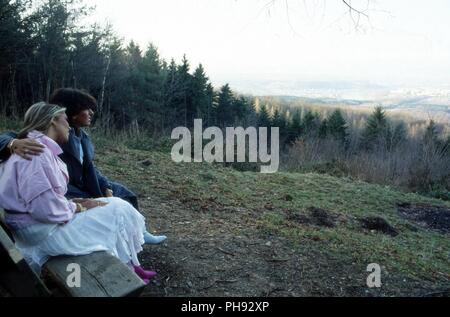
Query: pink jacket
x=34, y=190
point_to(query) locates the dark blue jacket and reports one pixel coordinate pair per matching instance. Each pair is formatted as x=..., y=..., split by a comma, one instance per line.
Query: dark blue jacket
x=84, y=176
x=4, y=140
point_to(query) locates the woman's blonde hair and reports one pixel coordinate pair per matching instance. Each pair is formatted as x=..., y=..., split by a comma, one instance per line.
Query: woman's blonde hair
x=39, y=117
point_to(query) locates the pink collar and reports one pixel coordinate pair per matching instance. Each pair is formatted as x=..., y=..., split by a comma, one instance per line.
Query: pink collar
x=50, y=143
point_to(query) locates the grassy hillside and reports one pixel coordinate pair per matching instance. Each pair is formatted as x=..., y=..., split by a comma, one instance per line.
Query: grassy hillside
x=286, y=234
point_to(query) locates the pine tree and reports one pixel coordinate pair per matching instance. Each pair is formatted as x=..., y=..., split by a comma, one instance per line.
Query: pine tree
x=116, y=86
x=172, y=95
x=185, y=108
x=337, y=126
x=211, y=105
x=134, y=57
x=432, y=140
x=376, y=129
x=264, y=117
x=199, y=92
x=131, y=87
x=150, y=70
x=241, y=109
x=15, y=36
x=225, y=106
x=399, y=134
x=278, y=119
x=323, y=129
x=57, y=23
x=151, y=61
x=295, y=127
x=311, y=123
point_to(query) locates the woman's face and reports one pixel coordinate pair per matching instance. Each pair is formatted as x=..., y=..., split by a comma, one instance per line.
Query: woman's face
x=61, y=128
x=83, y=119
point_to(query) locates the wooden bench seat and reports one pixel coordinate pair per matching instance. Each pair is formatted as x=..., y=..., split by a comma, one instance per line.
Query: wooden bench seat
x=102, y=275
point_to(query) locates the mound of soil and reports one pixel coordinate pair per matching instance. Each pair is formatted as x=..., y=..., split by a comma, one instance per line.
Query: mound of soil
x=378, y=224
x=427, y=216
x=317, y=216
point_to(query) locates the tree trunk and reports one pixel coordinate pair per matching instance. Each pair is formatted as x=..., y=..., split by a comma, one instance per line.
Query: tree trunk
x=102, y=92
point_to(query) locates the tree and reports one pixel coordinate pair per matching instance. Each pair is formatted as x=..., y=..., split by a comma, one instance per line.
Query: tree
x=355, y=14
x=44, y=46
x=114, y=100
x=399, y=135
x=224, y=109
x=89, y=60
x=295, y=127
x=337, y=126
x=433, y=140
x=171, y=93
x=15, y=49
x=278, y=119
x=241, y=109
x=311, y=123
x=200, y=99
x=150, y=70
x=186, y=108
x=376, y=129
x=323, y=129
x=211, y=104
x=263, y=117
x=55, y=23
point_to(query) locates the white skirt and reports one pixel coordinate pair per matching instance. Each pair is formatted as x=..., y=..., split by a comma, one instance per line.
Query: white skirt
x=117, y=228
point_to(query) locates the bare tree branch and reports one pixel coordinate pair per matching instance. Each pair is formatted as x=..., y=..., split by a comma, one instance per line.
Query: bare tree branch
x=352, y=9
x=355, y=14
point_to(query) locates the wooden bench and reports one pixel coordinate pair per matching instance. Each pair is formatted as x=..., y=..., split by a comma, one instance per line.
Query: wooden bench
x=102, y=275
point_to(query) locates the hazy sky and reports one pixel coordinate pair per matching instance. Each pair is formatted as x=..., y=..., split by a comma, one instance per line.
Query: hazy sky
x=405, y=41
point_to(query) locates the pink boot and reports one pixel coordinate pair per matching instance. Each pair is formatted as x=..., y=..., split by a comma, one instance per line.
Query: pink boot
x=143, y=273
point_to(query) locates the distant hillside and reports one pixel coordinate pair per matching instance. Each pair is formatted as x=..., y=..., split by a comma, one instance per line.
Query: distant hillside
x=436, y=107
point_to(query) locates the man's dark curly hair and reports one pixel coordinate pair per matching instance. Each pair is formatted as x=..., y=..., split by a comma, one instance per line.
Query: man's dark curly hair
x=74, y=100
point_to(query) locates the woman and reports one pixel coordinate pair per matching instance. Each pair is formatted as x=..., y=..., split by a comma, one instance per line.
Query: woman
x=85, y=180
x=44, y=222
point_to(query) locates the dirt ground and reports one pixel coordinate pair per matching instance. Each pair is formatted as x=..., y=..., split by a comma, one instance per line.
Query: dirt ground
x=429, y=217
x=211, y=254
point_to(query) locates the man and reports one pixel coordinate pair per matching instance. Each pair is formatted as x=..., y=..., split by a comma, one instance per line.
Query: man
x=86, y=181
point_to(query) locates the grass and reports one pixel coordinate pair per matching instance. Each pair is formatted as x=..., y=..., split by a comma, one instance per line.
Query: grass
x=265, y=201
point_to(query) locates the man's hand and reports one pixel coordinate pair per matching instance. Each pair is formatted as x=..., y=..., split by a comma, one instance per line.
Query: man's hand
x=27, y=148
x=109, y=193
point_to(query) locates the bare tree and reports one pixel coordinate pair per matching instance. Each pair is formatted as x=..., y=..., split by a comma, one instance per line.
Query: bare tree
x=357, y=14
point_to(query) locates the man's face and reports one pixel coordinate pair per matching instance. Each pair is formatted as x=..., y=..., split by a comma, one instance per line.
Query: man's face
x=83, y=119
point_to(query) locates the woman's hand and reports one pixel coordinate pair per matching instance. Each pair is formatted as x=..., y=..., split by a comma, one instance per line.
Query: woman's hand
x=79, y=200
x=109, y=193
x=26, y=148
x=90, y=203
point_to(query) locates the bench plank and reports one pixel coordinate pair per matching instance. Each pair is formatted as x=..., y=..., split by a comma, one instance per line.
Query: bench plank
x=102, y=275
x=15, y=274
